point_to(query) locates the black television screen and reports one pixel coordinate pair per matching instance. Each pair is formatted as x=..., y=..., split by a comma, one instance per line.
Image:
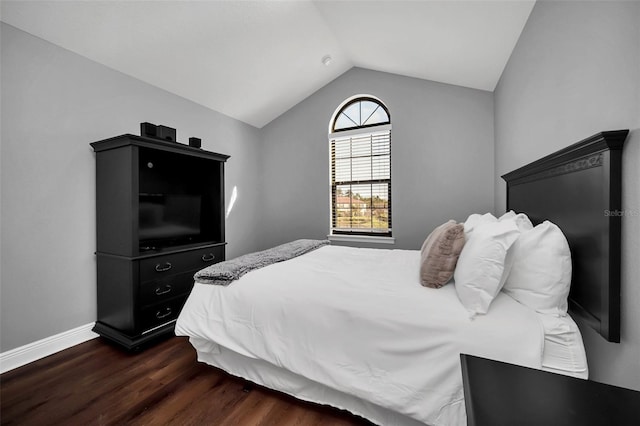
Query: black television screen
x=169, y=220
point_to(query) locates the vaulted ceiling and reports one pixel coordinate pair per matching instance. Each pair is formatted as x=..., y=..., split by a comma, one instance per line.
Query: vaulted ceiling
x=253, y=60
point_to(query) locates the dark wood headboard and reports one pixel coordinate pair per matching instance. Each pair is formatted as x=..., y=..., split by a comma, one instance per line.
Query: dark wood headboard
x=579, y=189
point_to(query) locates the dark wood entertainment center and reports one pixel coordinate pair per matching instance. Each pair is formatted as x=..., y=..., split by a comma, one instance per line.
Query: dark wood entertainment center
x=160, y=218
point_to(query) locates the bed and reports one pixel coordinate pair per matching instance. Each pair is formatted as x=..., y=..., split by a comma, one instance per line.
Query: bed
x=354, y=329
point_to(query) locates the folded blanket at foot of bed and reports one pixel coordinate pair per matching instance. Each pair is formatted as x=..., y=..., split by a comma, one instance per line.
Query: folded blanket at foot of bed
x=224, y=273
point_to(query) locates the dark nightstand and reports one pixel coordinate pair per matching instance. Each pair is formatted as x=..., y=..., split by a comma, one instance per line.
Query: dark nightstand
x=497, y=393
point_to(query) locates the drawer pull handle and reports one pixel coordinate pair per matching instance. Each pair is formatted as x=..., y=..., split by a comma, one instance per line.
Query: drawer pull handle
x=166, y=313
x=164, y=268
x=208, y=257
x=160, y=291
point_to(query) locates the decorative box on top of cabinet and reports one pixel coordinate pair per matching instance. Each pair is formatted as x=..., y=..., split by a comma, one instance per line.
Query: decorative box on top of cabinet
x=160, y=219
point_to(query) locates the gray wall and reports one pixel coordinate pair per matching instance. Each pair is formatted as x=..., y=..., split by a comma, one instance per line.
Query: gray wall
x=54, y=103
x=442, y=157
x=575, y=72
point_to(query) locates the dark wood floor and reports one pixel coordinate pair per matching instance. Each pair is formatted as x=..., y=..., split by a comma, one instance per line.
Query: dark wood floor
x=95, y=383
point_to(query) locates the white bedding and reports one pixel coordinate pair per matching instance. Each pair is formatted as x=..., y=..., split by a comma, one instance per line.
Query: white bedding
x=358, y=321
x=564, y=351
x=270, y=376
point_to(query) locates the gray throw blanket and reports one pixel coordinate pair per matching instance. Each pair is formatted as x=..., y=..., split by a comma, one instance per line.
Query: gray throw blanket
x=224, y=273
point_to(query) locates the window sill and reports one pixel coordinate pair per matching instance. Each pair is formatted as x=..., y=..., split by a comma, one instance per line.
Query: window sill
x=362, y=239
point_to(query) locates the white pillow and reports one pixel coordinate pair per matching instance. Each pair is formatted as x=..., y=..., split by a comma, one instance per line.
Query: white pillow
x=524, y=224
x=522, y=220
x=475, y=220
x=508, y=215
x=540, y=276
x=478, y=274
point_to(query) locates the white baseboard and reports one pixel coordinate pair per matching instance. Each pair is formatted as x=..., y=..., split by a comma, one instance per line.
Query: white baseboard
x=37, y=350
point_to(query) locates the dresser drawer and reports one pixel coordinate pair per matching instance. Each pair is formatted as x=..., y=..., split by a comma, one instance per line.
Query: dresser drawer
x=160, y=267
x=162, y=313
x=157, y=291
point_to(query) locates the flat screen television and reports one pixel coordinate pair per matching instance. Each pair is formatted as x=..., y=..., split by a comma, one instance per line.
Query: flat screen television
x=169, y=220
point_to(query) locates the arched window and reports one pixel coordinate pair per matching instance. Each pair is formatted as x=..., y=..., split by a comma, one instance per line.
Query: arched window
x=360, y=149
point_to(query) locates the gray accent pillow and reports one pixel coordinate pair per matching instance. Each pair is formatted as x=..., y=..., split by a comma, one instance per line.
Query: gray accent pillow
x=439, y=254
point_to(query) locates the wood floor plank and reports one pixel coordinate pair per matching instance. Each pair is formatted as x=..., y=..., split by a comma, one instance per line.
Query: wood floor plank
x=95, y=383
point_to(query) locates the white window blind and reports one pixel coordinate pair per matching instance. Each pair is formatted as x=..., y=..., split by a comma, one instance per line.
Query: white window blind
x=361, y=181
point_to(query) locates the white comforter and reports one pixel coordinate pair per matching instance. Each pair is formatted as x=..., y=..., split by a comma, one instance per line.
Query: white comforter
x=358, y=320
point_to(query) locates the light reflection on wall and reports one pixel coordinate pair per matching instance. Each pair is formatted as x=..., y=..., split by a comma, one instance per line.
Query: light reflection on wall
x=232, y=201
